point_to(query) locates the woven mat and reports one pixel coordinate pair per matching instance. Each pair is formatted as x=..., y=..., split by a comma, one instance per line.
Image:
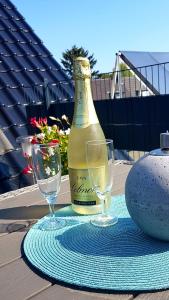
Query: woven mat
x=117, y=258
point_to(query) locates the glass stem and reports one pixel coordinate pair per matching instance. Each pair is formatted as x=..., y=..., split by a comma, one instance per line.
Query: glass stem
x=52, y=210
x=103, y=206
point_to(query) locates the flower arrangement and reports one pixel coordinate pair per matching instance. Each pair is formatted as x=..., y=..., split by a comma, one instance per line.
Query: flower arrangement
x=55, y=134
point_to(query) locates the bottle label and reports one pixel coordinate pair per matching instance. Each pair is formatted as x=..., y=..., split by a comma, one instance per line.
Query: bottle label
x=82, y=192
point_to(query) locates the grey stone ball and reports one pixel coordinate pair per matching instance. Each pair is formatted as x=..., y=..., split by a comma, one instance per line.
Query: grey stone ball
x=147, y=195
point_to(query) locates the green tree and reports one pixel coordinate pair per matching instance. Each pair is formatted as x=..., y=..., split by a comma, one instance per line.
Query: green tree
x=105, y=75
x=125, y=71
x=70, y=55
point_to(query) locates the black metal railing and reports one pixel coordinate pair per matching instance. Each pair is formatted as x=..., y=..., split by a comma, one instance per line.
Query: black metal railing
x=133, y=82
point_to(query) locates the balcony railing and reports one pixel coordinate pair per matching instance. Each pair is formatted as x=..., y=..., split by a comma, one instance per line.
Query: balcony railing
x=136, y=82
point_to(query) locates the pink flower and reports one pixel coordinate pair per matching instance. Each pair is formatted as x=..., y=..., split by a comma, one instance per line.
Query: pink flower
x=54, y=141
x=42, y=121
x=34, y=140
x=27, y=170
x=34, y=122
x=25, y=155
x=38, y=123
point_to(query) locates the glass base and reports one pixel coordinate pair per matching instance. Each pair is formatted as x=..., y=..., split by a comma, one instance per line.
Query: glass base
x=52, y=224
x=104, y=221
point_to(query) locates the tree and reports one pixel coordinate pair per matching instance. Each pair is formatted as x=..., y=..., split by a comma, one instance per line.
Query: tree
x=70, y=55
x=105, y=75
x=125, y=71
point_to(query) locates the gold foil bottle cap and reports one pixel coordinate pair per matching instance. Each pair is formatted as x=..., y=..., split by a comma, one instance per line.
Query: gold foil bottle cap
x=81, y=68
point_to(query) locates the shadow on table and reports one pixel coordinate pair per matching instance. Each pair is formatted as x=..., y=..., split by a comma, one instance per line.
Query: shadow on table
x=124, y=239
x=21, y=218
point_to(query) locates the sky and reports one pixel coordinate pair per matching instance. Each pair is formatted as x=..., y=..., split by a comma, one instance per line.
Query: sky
x=103, y=27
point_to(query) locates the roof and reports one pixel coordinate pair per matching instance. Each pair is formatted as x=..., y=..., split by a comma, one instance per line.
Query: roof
x=24, y=65
x=151, y=67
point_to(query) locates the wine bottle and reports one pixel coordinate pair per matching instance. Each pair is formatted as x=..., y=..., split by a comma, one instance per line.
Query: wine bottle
x=85, y=127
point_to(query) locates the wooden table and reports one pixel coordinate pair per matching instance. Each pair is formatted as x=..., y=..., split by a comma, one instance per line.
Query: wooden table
x=18, y=210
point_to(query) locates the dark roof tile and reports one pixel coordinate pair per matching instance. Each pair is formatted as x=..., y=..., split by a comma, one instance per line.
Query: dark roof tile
x=24, y=65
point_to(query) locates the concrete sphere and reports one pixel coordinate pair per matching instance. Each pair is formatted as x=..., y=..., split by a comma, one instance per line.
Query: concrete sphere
x=147, y=195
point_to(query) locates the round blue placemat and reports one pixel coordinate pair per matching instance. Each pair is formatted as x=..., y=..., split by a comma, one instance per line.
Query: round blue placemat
x=119, y=258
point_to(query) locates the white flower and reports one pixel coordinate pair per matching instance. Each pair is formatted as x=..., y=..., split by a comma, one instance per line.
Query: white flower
x=61, y=132
x=52, y=118
x=50, y=151
x=47, y=170
x=64, y=117
x=49, y=129
x=55, y=127
x=67, y=131
x=53, y=172
x=40, y=135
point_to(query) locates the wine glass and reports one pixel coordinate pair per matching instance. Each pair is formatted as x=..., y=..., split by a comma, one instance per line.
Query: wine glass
x=47, y=169
x=100, y=159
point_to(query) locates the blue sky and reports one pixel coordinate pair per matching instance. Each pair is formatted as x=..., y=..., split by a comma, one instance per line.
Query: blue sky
x=101, y=27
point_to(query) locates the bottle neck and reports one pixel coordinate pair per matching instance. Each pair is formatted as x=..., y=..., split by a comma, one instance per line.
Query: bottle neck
x=84, y=113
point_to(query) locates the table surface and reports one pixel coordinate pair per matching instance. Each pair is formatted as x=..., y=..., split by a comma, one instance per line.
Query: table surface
x=18, y=210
